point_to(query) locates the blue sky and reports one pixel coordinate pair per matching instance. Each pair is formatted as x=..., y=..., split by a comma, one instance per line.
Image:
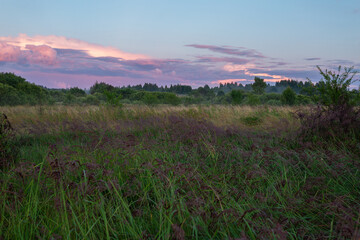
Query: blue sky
x=169, y=42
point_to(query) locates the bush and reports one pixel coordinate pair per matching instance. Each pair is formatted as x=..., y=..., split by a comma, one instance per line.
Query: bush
x=252, y=100
x=171, y=98
x=150, y=98
x=302, y=100
x=336, y=118
x=91, y=100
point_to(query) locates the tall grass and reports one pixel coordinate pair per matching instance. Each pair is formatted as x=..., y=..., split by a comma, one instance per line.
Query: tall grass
x=198, y=172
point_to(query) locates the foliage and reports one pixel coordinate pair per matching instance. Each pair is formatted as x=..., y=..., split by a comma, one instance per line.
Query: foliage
x=77, y=92
x=150, y=98
x=112, y=98
x=237, y=96
x=259, y=85
x=100, y=88
x=337, y=118
x=288, y=96
x=171, y=98
x=91, y=100
x=302, y=100
x=14, y=90
x=334, y=88
x=252, y=99
x=220, y=93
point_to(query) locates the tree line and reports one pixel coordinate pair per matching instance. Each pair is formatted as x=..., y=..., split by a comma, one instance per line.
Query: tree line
x=15, y=90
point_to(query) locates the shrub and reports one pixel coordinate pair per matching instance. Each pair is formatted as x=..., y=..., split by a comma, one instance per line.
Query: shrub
x=150, y=98
x=252, y=100
x=171, y=98
x=336, y=118
x=91, y=100
x=302, y=100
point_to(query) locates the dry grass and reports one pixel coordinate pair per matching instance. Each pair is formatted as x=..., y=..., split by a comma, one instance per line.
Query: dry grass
x=220, y=115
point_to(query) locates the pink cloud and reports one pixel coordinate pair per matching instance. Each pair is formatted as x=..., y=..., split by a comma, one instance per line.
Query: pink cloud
x=42, y=54
x=32, y=54
x=9, y=53
x=59, y=62
x=246, y=68
x=94, y=50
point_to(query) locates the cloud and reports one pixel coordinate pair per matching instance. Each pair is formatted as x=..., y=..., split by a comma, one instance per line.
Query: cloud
x=41, y=54
x=312, y=59
x=222, y=59
x=238, y=51
x=9, y=53
x=56, y=61
x=30, y=55
x=94, y=50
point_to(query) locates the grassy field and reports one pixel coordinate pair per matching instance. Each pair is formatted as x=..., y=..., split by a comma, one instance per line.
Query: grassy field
x=196, y=172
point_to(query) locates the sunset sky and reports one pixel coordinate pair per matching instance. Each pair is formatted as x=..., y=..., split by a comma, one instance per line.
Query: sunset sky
x=61, y=44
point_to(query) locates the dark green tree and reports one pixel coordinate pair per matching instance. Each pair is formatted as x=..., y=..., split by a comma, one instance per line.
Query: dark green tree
x=100, y=88
x=237, y=96
x=259, y=85
x=77, y=92
x=288, y=96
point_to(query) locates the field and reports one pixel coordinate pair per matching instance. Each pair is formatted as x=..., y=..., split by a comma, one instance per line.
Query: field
x=195, y=172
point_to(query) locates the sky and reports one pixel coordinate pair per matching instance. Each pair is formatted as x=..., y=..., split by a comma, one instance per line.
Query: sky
x=63, y=44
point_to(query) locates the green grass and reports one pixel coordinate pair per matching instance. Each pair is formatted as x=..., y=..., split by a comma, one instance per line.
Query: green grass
x=175, y=172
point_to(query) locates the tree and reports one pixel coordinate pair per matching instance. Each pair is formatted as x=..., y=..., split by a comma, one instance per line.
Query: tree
x=259, y=85
x=236, y=96
x=334, y=87
x=77, y=92
x=100, y=87
x=288, y=96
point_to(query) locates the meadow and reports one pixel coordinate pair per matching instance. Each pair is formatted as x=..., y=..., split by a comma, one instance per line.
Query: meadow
x=174, y=172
